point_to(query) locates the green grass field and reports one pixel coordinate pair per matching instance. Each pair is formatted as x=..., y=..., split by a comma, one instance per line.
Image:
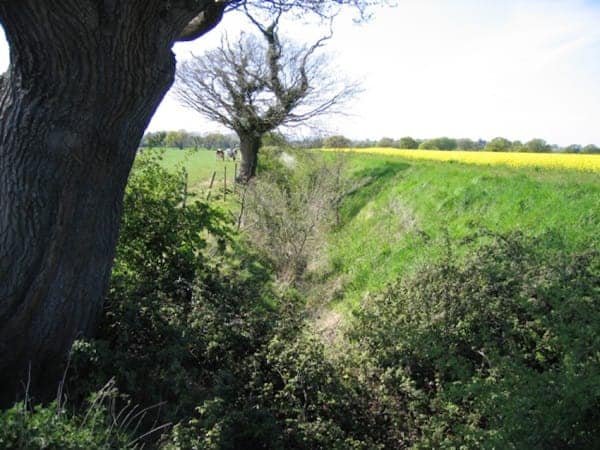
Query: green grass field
x=408, y=210
x=200, y=166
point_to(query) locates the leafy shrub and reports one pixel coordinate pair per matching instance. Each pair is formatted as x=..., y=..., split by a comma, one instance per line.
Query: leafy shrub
x=30, y=427
x=207, y=340
x=180, y=308
x=503, y=347
x=293, y=397
x=199, y=333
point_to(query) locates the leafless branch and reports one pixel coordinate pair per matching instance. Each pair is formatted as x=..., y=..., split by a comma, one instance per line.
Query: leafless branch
x=256, y=84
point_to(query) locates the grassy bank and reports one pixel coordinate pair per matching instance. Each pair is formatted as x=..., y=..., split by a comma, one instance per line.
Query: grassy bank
x=406, y=212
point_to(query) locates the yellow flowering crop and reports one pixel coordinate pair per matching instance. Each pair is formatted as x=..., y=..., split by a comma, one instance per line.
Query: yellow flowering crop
x=546, y=160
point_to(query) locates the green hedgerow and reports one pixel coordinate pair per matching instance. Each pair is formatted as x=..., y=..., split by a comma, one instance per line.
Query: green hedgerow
x=504, y=347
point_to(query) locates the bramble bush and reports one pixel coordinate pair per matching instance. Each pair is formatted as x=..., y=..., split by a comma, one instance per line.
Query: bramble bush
x=180, y=308
x=193, y=326
x=501, y=350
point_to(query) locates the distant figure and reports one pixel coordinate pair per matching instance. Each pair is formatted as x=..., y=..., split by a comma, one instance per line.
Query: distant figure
x=220, y=154
x=232, y=153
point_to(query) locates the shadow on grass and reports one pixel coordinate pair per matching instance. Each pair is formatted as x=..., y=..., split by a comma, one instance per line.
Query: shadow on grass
x=369, y=182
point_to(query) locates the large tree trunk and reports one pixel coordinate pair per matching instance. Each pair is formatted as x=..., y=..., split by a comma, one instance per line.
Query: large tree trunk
x=85, y=78
x=249, y=146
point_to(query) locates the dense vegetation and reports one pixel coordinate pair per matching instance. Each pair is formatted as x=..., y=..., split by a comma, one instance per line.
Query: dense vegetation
x=477, y=325
x=497, y=352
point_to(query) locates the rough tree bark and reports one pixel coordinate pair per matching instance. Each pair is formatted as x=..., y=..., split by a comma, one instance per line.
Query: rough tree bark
x=249, y=146
x=85, y=78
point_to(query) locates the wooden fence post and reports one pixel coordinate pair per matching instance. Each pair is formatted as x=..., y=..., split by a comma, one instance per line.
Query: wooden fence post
x=212, y=181
x=225, y=183
x=235, y=177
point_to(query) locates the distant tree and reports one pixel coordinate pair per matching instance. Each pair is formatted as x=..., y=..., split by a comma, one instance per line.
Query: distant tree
x=386, y=142
x=196, y=141
x=517, y=146
x=427, y=144
x=274, y=139
x=407, y=142
x=254, y=85
x=176, y=139
x=154, y=140
x=337, y=141
x=364, y=143
x=442, y=143
x=537, y=146
x=445, y=143
x=498, y=144
x=481, y=143
x=308, y=142
x=218, y=140
x=574, y=148
x=590, y=149
x=466, y=144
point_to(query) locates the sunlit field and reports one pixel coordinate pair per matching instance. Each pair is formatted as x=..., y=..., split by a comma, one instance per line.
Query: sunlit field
x=545, y=160
x=407, y=208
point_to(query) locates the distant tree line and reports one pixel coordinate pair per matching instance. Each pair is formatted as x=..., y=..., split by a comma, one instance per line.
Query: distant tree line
x=498, y=144
x=182, y=139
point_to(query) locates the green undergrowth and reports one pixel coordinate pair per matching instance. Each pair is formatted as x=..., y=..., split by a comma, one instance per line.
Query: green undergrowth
x=480, y=334
x=402, y=213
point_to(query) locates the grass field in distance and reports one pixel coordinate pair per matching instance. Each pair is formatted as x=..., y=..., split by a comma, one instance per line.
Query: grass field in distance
x=199, y=165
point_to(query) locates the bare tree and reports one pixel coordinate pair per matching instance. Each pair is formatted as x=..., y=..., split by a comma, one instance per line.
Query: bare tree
x=85, y=78
x=255, y=84
x=287, y=220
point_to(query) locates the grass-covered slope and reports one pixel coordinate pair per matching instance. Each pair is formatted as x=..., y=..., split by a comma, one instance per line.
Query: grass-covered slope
x=405, y=211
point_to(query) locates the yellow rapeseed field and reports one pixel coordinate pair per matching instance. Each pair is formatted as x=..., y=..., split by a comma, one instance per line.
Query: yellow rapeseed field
x=547, y=160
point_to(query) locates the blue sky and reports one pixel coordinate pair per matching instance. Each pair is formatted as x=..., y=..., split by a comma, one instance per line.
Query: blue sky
x=462, y=68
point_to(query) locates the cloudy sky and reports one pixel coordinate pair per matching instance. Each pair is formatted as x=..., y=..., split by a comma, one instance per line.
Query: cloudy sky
x=461, y=68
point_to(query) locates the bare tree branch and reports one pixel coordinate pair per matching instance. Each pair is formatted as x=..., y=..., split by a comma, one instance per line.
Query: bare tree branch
x=212, y=14
x=255, y=84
